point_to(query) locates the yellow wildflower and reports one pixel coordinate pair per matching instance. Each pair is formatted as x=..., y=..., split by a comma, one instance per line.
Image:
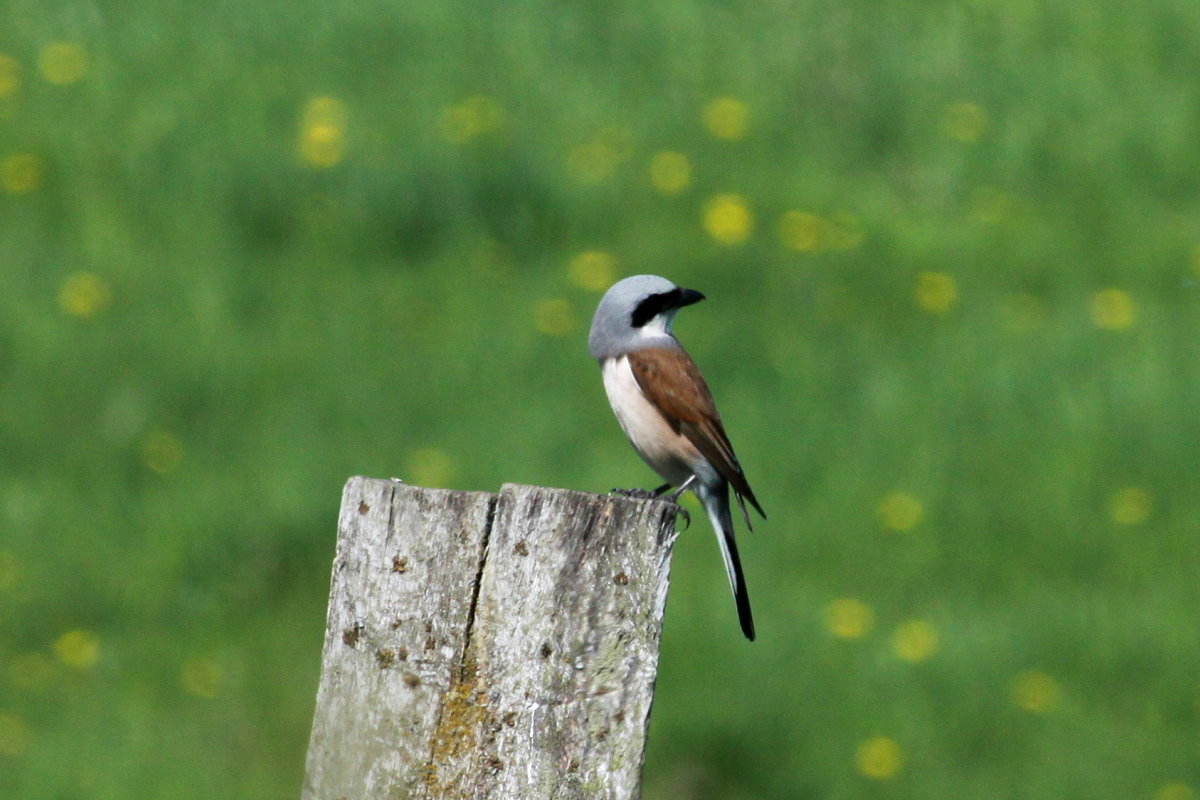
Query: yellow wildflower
x=915, y=640
x=429, y=466
x=10, y=76
x=670, y=172
x=936, y=292
x=727, y=118
x=728, y=219
x=201, y=677
x=1113, y=310
x=471, y=118
x=1130, y=506
x=84, y=294
x=849, y=618
x=1035, y=691
x=21, y=173
x=323, y=124
x=879, y=758
x=63, y=63
x=899, y=511
x=593, y=270
x=78, y=649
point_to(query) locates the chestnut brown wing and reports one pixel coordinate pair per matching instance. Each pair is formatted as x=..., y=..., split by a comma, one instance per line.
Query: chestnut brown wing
x=673, y=384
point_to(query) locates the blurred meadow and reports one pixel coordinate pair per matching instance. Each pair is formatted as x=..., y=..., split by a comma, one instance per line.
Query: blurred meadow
x=952, y=256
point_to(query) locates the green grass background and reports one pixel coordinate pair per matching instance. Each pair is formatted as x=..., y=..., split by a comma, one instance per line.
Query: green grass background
x=170, y=464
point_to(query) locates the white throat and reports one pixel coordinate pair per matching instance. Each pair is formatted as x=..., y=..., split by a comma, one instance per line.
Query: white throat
x=667, y=452
x=659, y=326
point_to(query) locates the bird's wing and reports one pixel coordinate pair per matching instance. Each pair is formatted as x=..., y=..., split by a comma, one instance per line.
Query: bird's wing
x=673, y=384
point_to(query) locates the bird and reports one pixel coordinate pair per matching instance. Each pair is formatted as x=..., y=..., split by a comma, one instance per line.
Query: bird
x=666, y=410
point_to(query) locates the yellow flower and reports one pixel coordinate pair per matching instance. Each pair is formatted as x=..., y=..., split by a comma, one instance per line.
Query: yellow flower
x=801, y=230
x=471, y=118
x=899, y=511
x=429, y=466
x=597, y=159
x=162, y=452
x=78, y=649
x=727, y=118
x=806, y=232
x=936, y=292
x=849, y=618
x=10, y=76
x=1130, y=506
x=554, y=317
x=964, y=122
x=990, y=205
x=670, y=172
x=84, y=294
x=1113, y=310
x=322, y=141
x=201, y=677
x=915, y=640
x=593, y=270
x=1175, y=790
x=879, y=758
x=728, y=219
x=14, y=735
x=63, y=63
x=1035, y=691
x=21, y=173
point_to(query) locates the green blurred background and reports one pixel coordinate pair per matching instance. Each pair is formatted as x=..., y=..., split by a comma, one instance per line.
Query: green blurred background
x=952, y=254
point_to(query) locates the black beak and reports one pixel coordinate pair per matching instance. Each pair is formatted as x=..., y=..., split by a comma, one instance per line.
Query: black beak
x=656, y=304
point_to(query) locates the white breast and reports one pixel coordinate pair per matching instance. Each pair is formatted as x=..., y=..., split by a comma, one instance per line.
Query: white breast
x=668, y=453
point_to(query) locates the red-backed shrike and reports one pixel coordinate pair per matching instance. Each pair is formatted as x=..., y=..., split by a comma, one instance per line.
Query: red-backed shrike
x=665, y=408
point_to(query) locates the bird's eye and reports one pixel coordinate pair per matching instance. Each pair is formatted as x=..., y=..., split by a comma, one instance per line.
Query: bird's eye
x=654, y=305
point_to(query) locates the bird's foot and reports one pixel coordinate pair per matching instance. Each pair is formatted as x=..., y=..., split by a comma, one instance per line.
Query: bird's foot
x=656, y=494
x=678, y=493
x=674, y=498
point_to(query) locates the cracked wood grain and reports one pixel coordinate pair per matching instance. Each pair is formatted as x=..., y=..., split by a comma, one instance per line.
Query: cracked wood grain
x=482, y=646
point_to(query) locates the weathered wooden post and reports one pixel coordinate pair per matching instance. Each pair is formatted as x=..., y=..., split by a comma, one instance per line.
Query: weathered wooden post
x=487, y=647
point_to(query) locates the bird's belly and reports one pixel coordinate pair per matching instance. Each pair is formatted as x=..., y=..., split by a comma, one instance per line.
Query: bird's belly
x=667, y=452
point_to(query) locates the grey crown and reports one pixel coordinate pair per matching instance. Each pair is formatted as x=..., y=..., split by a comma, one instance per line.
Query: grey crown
x=612, y=331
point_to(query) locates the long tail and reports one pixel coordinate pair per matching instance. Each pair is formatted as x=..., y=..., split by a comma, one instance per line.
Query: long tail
x=715, y=500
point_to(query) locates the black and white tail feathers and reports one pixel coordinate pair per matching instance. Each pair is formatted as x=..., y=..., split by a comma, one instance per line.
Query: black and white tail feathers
x=716, y=504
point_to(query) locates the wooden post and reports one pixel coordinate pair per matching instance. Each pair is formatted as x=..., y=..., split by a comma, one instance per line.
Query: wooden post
x=489, y=647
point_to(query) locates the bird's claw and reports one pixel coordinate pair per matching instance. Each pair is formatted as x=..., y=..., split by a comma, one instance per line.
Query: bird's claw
x=683, y=512
x=657, y=494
